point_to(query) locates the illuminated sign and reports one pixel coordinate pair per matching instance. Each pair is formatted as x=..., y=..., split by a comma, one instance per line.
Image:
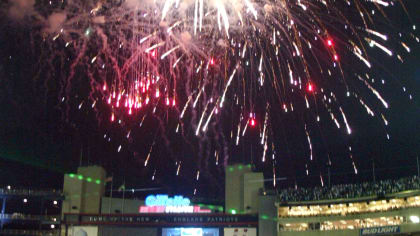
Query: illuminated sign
x=172, y=209
x=165, y=200
x=163, y=219
x=164, y=204
x=380, y=230
x=190, y=231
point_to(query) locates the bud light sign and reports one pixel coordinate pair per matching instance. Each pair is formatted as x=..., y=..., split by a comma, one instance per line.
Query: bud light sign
x=165, y=200
x=380, y=230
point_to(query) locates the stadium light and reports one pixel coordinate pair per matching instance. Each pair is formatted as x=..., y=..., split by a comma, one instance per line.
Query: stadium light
x=8, y=187
x=415, y=219
x=55, y=202
x=25, y=200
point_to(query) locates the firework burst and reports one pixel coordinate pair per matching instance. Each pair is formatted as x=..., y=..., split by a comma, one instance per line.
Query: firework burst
x=191, y=64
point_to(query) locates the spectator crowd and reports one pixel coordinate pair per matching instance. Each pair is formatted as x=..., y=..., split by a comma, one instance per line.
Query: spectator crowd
x=350, y=190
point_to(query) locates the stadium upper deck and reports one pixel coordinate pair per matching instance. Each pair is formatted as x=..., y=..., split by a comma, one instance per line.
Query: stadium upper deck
x=389, y=207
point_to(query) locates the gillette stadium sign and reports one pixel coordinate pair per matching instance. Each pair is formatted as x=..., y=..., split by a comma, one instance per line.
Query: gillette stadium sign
x=380, y=230
x=165, y=204
x=165, y=200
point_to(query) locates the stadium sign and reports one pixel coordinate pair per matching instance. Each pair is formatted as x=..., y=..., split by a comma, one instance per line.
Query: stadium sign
x=161, y=219
x=164, y=204
x=165, y=200
x=380, y=230
x=172, y=209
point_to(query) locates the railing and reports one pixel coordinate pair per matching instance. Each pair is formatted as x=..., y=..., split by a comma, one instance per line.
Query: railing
x=380, y=188
x=22, y=232
x=328, y=226
x=29, y=192
x=19, y=216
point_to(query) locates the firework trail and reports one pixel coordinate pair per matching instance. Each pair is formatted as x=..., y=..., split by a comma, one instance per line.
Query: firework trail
x=205, y=60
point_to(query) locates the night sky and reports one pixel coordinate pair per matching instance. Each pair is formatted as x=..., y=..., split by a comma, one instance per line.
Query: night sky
x=40, y=140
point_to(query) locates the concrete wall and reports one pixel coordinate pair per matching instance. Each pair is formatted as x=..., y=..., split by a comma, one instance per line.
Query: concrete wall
x=252, y=183
x=267, y=223
x=72, y=190
x=83, y=191
x=405, y=228
x=115, y=205
x=321, y=233
x=92, y=192
x=234, y=187
x=242, y=189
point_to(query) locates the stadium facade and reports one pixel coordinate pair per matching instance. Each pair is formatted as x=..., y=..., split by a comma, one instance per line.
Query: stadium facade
x=383, y=208
x=30, y=212
x=86, y=210
x=392, y=214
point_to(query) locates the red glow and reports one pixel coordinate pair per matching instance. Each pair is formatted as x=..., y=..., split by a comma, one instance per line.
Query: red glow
x=310, y=87
x=112, y=117
x=153, y=53
x=212, y=61
x=104, y=88
x=336, y=57
x=173, y=102
x=330, y=43
x=167, y=101
x=253, y=122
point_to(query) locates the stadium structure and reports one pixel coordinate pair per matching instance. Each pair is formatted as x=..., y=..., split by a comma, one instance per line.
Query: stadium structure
x=389, y=207
x=30, y=212
x=383, y=208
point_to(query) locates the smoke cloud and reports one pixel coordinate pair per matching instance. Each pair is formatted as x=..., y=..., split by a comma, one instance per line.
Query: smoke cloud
x=21, y=8
x=55, y=21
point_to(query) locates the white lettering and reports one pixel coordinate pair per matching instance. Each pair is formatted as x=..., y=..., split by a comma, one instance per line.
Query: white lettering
x=165, y=200
x=380, y=230
x=179, y=209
